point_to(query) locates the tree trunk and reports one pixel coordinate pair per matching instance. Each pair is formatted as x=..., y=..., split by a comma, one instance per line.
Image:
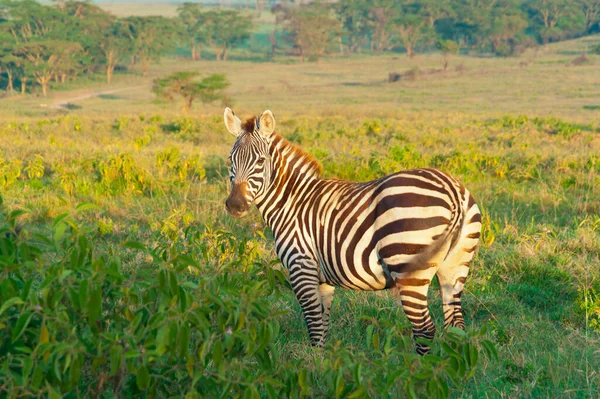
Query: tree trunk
x=63, y=78
x=109, y=72
x=145, y=66
x=9, y=84
x=23, y=85
x=133, y=60
x=224, y=53
x=193, y=46
x=44, y=81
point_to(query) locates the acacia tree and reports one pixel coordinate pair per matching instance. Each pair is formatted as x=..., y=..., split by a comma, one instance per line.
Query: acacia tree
x=230, y=29
x=591, y=12
x=380, y=18
x=411, y=25
x=354, y=20
x=42, y=59
x=190, y=15
x=114, y=45
x=151, y=37
x=447, y=47
x=504, y=29
x=184, y=85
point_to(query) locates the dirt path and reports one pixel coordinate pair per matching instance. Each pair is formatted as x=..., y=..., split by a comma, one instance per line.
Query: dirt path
x=64, y=103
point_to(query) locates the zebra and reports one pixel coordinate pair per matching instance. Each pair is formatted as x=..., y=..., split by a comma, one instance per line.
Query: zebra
x=395, y=232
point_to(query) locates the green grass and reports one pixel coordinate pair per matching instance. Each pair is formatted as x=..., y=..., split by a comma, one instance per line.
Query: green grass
x=523, y=140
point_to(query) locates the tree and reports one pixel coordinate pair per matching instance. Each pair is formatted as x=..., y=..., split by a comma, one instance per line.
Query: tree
x=151, y=37
x=114, y=45
x=354, y=19
x=506, y=25
x=447, y=47
x=554, y=16
x=410, y=23
x=380, y=17
x=230, y=29
x=313, y=30
x=190, y=15
x=591, y=12
x=183, y=84
x=43, y=59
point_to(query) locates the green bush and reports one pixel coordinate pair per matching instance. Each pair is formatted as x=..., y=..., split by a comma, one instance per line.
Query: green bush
x=75, y=322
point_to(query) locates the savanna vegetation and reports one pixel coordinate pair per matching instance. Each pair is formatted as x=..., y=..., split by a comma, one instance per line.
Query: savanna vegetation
x=122, y=275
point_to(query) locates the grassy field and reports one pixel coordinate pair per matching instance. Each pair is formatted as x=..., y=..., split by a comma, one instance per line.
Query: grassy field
x=525, y=140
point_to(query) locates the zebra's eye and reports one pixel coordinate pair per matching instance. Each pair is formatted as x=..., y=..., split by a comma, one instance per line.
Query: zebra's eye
x=260, y=161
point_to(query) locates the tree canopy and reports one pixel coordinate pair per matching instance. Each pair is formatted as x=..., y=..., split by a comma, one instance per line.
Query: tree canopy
x=48, y=44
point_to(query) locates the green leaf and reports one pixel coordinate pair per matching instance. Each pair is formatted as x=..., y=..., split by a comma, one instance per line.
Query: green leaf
x=53, y=393
x=173, y=283
x=359, y=393
x=135, y=245
x=302, y=381
x=115, y=359
x=183, y=339
x=12, y=301
x=95, y=304
x=85, y=206
x=182, y=300
x=21, y=326
x=217, y=354
x=59, y=232
x=44, y=334
x=142, y=378
x=60, y=218
x=339, y=384
x=162, y=339
x=83, y=294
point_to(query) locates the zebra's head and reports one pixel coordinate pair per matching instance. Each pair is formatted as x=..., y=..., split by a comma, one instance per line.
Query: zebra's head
x=251, y=166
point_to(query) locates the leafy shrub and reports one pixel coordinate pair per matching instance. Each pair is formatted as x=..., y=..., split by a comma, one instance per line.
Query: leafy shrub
x=74, y=322
x=171, y=160
x=35, y=167
x=10, y=171
x=120, y=173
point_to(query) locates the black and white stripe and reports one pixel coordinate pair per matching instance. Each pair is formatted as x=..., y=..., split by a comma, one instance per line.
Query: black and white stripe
x=394, y=233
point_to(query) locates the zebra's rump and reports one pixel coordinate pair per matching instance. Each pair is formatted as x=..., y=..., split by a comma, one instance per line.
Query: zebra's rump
x=393, y=226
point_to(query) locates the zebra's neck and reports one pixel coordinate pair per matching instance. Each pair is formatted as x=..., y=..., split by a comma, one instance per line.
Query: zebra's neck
x=294, y=171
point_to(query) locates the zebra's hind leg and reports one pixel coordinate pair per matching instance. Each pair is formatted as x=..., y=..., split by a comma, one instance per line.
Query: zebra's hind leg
x=453, y=271
x=412, y=294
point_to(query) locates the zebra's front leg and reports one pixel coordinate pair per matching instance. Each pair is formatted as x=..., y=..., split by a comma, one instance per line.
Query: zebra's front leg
x=326, y=291
x=305, y=283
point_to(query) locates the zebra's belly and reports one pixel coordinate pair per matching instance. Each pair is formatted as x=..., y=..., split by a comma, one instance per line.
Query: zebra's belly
x=358, y=272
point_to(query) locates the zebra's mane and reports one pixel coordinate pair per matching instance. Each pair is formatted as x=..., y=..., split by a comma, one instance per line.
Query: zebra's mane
x=288, y=150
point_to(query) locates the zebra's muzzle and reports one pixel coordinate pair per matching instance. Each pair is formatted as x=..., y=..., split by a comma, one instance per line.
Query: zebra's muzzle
x=236, y=203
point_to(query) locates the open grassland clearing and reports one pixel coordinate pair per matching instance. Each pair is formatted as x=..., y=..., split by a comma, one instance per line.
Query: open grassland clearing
x=164, y=250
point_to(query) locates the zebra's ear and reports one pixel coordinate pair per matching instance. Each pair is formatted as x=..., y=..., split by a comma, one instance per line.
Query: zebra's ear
x=232, y=122
x=266, y=124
